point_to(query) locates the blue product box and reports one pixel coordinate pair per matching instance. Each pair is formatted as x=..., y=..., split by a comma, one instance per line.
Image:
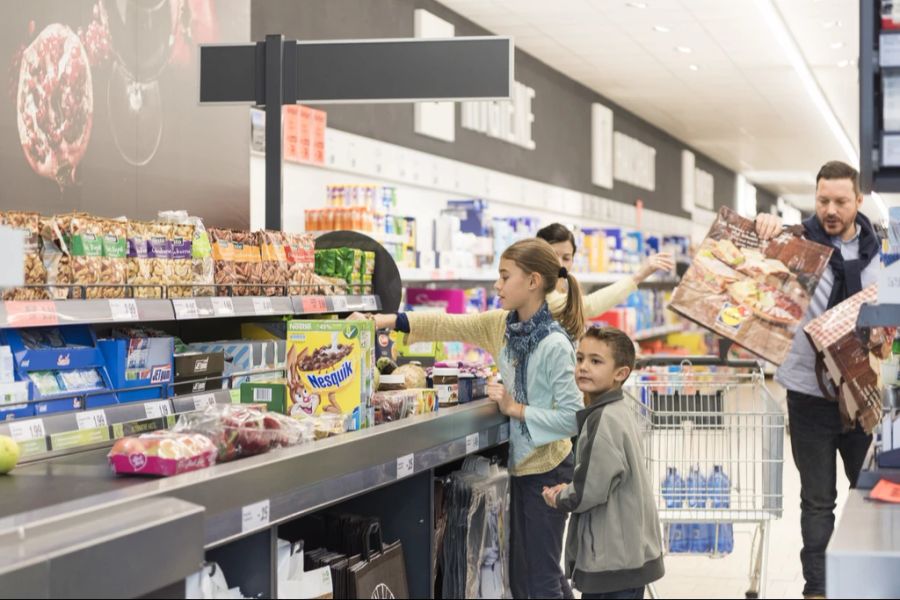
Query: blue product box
x=139, y=362
x=473, y=215
x=63, y=367
x=471, y=388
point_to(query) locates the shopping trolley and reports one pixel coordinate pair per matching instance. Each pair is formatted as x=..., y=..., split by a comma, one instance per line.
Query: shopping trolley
x=713, y=425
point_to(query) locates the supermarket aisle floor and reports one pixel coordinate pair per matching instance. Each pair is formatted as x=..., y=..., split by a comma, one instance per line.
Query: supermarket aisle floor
x=701, y=577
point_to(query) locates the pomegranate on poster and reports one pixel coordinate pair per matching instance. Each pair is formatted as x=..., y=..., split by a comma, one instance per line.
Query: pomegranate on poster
x=55, y=103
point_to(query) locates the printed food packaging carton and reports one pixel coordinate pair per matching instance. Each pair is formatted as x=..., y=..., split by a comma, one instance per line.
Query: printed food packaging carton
x=331, y=367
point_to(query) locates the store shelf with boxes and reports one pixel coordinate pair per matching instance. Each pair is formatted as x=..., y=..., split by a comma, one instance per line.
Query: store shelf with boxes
x=205, y=403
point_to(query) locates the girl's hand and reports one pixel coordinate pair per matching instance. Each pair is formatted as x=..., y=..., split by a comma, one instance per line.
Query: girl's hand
x=381, y=321
x=505, y=402
x=664, y=261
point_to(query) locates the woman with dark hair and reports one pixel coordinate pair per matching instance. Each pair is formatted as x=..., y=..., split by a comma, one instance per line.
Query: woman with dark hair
x=563, y=242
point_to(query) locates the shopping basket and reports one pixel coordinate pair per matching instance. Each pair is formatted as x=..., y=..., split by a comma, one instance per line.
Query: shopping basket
x=713, y=441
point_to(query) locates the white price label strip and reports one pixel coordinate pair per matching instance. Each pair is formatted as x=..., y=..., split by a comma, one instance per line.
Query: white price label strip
x=156, y=410
x=263, y=306
x=370, y=303
x=222, y=307
x=406, y=466
x=204, y=401
x=472, y=443
x=124, y=310
x=254, y=516
x=339, y=303
x=23, y=431
x=91, y=419
x=186, y=308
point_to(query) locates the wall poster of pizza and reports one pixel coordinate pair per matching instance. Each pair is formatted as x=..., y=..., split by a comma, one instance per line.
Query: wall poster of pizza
x=752, y=292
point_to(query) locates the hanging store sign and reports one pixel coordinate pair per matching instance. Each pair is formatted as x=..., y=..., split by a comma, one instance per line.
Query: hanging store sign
x=508, y=120
x=635, y=162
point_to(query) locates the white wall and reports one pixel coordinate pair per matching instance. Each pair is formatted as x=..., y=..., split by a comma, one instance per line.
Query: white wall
x=425, y=182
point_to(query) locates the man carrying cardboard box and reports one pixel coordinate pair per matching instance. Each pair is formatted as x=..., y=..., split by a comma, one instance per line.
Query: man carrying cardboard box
x=818, y=432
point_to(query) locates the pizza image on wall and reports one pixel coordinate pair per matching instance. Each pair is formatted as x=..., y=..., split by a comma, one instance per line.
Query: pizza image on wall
x=753, y=292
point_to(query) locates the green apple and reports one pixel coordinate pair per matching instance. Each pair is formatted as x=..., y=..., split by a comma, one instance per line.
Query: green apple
x=9, y=454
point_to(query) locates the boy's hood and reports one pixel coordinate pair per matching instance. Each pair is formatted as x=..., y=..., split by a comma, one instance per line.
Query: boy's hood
x=598, y=401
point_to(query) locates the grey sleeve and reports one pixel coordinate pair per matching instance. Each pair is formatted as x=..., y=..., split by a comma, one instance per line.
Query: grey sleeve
x=597, y=473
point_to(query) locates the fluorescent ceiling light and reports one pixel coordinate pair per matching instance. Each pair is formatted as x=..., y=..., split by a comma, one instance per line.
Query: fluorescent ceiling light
x=694, y=68
x=832, y=24
x=781, y=32
x=843, y=63
x=661, y=29
x=837, y=45
x=683, y=49
x=637, y=4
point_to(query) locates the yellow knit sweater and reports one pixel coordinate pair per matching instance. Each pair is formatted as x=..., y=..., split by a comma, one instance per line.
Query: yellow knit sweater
x=488, y=331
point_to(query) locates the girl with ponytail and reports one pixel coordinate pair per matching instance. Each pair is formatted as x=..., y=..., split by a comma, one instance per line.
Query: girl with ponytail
x=535, y=354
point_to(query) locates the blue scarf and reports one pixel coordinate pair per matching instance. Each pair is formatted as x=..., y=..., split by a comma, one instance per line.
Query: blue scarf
x=521, y=340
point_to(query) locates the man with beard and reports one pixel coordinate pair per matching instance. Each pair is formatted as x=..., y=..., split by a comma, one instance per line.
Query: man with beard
x=818, y=432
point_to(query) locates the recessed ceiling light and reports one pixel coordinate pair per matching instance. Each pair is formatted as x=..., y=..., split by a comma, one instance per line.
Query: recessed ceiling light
x=694, y=68
x=837, y=45
x=683, y=49
x=661, y=29
x=844, y=63
x=637, y=4
x=832, y=24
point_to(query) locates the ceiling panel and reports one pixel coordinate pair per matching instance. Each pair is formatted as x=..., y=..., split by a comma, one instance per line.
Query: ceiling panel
x=743, y=103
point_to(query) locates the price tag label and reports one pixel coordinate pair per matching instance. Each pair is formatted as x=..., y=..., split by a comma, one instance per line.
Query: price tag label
x=23, y=431
x=472, y=443
x=31, y=313
x=186, y=308
x=157, y=410
x=254, y=516
x=406, y=466
x=370, y=303
x=339, y=303
x=124, y=310
x=504, y=432
x=91, y=419
x=204, y=401
x=223, y=306
x=263, y=306
x=314, y=305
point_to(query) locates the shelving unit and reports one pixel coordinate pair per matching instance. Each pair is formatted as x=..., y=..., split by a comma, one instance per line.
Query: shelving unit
x=80, y=496
x=489, y=276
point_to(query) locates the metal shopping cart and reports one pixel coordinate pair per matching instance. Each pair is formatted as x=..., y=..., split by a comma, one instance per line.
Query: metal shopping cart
x=713, y=440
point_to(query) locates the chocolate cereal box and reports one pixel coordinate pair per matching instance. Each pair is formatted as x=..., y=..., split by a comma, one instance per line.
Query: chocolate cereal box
x=331, y=367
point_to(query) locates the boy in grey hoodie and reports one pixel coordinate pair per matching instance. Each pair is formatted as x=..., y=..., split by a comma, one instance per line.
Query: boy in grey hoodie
x=614, y=545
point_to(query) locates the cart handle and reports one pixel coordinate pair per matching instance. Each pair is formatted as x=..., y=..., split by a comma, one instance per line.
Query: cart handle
x=697, y=361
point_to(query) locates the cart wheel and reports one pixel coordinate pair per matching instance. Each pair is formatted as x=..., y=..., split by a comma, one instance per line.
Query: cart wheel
x=751, y=595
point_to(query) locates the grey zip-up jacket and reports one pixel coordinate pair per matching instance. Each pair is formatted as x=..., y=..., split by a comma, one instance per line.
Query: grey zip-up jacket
x=614, y=541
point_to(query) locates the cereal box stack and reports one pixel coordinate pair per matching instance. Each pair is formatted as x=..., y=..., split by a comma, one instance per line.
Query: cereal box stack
x=331, y=366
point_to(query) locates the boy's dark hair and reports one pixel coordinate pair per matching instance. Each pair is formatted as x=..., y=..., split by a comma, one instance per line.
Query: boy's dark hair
x=836, y=169
x=556, y=233
x=619, y=343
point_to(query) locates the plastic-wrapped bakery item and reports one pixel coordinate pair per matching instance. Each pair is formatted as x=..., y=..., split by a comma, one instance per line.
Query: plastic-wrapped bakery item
x=202, y=264
x=162, y=453
x=275, y=270
x=56, y=256
x=239, y=430
x=35, y=272
x=300, y=249
x=223, y=260
x=180, y=285
x=114, y=262
x=247, y=263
